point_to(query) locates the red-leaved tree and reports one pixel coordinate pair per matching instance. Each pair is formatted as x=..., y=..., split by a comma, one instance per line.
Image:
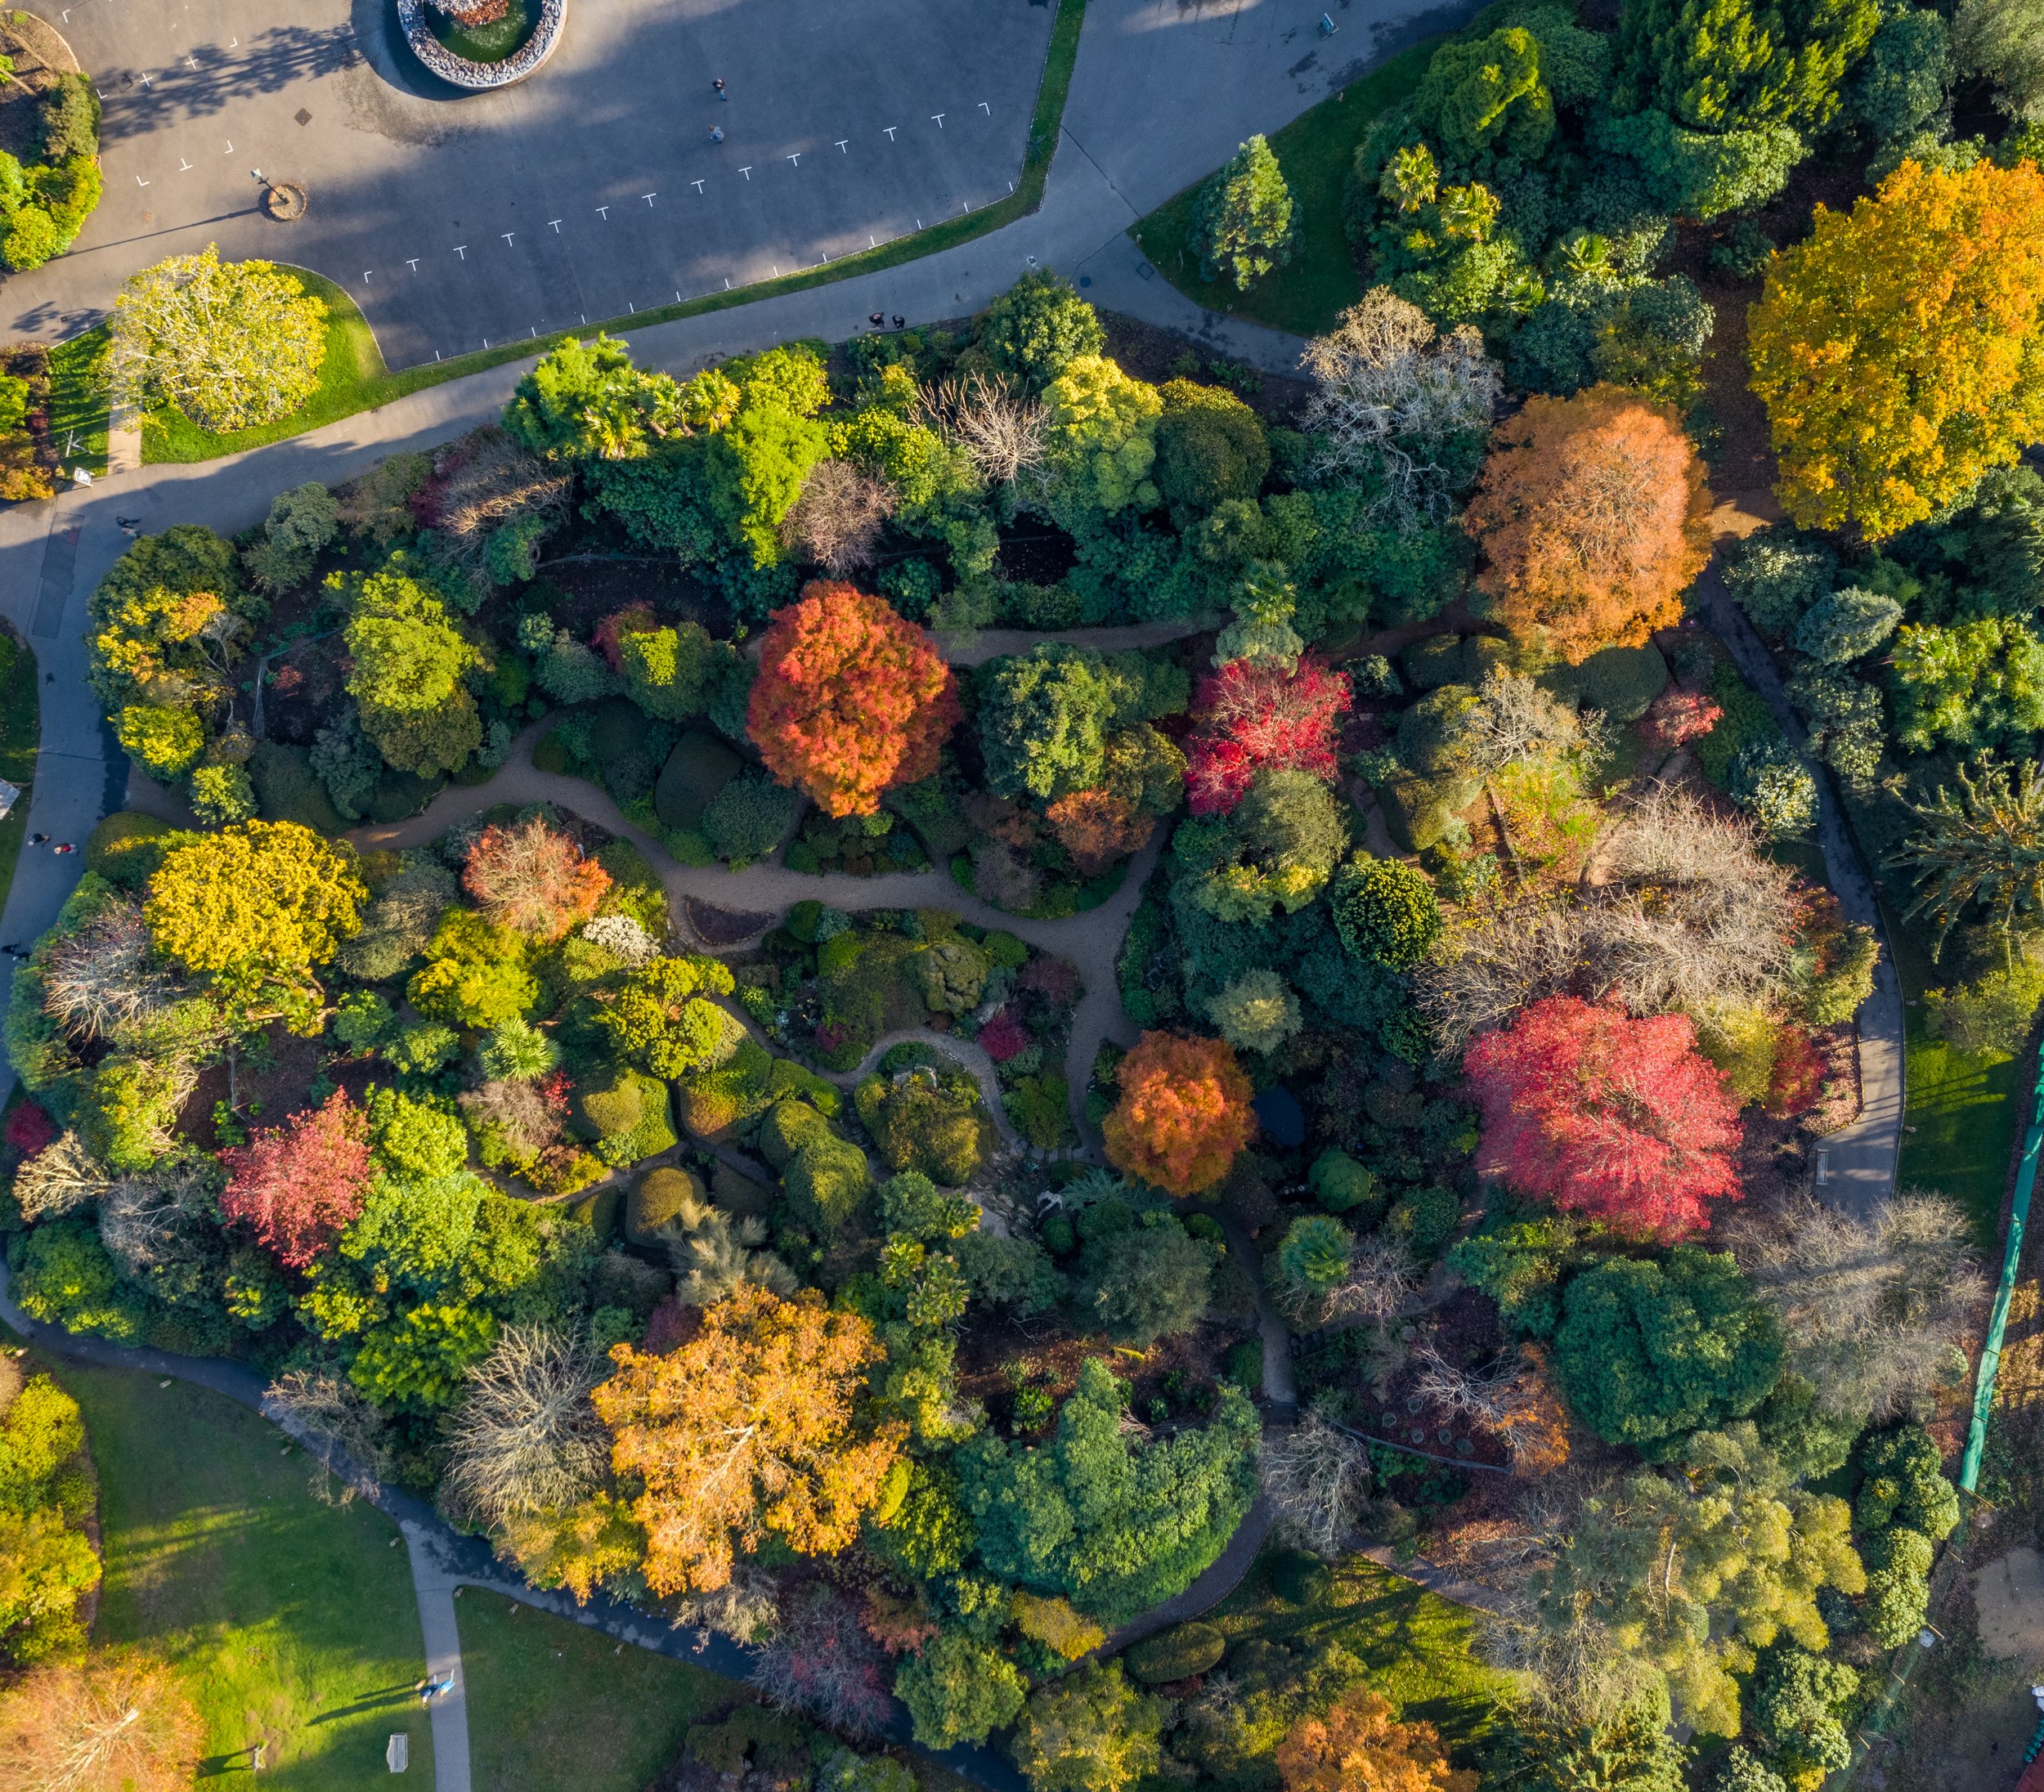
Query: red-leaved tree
x=1254, y=713
x=533, y=879
x=1619, y=1119
x=29, y=1129
x=295, y=1186
x=1679, y=717
x=850, y=699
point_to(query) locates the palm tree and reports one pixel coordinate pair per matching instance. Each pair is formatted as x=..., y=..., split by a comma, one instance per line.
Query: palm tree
x=1983, y=847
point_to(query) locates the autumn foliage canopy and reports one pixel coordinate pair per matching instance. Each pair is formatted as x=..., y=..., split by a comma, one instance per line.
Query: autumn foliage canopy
x=1096, y=827
x=295, y=1186
x=747, y=1429
x=1619, y=1119
x=1899, y=348
x=1183, y=1115
x=1252, y=713
x=850, y=699
x=1357, y=1747
x=1593, y=519
x=533, y=879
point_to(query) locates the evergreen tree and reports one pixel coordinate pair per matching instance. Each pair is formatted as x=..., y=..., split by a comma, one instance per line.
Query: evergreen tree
x=1241, y=222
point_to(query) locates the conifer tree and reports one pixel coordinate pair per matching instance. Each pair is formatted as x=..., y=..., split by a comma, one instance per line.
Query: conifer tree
x=1241, y=222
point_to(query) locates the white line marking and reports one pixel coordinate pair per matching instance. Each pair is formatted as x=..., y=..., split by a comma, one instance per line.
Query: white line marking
x=841, y=142
x=191, y=62
x=697, y=185
x=649, y=198
x=556, y=223
x=183, y=166
x=230, y=149
x=145, y=81
x=940, y=118
x=413, y=265
x=507, y=236
x=890, y=130
x=746, y=172
x=871, y=243
x=462, y=250
x=366, y=276
x=139, y=182
x=986, y=109
x=796, y=160
x=606, y=211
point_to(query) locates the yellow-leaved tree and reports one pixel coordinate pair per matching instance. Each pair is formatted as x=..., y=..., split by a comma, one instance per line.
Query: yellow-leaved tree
x=748, y=1428
x=1899, y=350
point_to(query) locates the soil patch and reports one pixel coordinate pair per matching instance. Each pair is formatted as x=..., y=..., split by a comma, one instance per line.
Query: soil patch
x=599, y=586
x=715, y=926
x=1158, y=355
x=2008, y=1594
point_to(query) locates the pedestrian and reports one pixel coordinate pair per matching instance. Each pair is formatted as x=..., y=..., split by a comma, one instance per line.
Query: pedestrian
x=13, y=952
x=900, y=322
x=716, y=134
x=876, y=319
x=719, y=85
x=67, y=847
x=38, y=840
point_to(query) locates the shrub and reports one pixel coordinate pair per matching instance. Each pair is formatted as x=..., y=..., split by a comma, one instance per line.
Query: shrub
x=1153, y=1280
x=1770, y=782
x=747, y=818
x=1424, y=1220
x=1847, y=625
x=1342, y=1184
x=1210, y=446
x=958, y=1690
x=65, y=1277
x=1242, y=221
x=698, y=767
x=1778, y=573
x=1038, y=328
x=1299, y=1577
x=1386, y=910
x=827, y=1182
x=1993, y=1012
x=1177, y=1654
x=1089, y=1731
x=1621, y=681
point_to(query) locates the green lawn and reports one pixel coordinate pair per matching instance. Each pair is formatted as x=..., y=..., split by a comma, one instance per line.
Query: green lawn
x=1314, y=151
x=19, y=712
x=355, y=380
x=1415, y=1646
x=1961, y=1105
x=78, y=400
x=289, y=1621
x=553, y=1704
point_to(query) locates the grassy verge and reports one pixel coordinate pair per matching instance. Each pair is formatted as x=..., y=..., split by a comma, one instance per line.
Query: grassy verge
x=553, y=1704
x=19, y=724
x=288, y=1622
x=1315, y=151
x=78, y=400
x=370, y=384
x=1415, y=1647
x=1960, y=1107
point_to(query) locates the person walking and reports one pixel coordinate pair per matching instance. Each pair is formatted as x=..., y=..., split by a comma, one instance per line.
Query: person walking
x=719, y=85
x=716, y=134
x=67, y=847
x=38, y=840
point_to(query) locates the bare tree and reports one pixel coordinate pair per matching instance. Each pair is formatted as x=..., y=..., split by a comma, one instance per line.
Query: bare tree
x=1486, y=1398
x=1393, y=393
x=1516, y=718
x=116, y=1720
x=345, y=1434
x=1000, y=429
x=525, y=1438
x=61, y=1178
x=822, y=1662
x=104, y=976
x=484, y=481
x=1575, y=1672
x=1484, y=974
x=1316, y=1478
x=837, y=520
x=1382, y=1276
x=161, y=1216
x=746, y=1608
x=1875, y=1309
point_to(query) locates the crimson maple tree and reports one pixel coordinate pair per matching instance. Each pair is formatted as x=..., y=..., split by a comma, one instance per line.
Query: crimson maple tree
x=1618, y=1118
x=850, y=698
x=295, y=1186
x=1252, y=713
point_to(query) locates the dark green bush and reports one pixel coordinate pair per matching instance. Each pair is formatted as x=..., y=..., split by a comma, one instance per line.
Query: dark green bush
x=1622, y=681
x=1299, y=1577
x=700, y=766
x=1177, y=1654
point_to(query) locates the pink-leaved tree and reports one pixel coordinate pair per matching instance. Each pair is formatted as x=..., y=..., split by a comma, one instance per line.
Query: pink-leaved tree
x=295, y=1186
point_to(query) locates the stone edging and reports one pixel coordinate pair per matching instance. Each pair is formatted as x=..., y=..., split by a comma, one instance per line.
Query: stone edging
x=480, y=77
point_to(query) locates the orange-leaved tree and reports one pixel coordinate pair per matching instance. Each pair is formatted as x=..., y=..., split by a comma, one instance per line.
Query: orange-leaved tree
x=850, y=698
x=1899, y=348
x=1360, y=1747
x=533, y=879
x=1183, y=1115
x=1593, y=518
x=1096, y=827
x=747, y=1428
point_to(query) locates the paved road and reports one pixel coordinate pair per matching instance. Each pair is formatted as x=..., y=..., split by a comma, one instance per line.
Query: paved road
x=1856, y=1166
x=593, y=189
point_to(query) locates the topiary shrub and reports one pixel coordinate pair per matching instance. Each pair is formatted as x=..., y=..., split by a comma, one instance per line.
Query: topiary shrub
x=654, y=1201
x=1177, y=1654
x=1342, y=1185
x=1420, y=811
x=1778, y=573
x=1847, y=625
x=1299, y=1577
x=1244, y=1365
x=700, y=766
x=1622, y=681
x=600, y=1212
x=1425, y=1219
x=790, y=1126
x=627, y=1117
x=827, y=1182
x=125, y=849
x=1386, y=910
x=1436, y=659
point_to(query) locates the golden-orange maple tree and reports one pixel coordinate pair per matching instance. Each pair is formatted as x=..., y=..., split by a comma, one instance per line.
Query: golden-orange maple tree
x=1096, y=827
x=1359, y=1747
x=1899, y=348
x=1183, y=1115
x=534, y=879
x=1593, y=519
x=850, y=698
x=747, y=1428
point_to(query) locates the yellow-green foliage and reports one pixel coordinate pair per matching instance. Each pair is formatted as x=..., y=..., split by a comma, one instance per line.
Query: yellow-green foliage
x=1741, y=1042
x=268, y=894
x=163, y=740
x=790, y=1126
x=658, y=1198
x=1057, y=1623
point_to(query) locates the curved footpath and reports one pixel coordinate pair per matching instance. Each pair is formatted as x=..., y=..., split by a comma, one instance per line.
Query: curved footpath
x=1856, y=1165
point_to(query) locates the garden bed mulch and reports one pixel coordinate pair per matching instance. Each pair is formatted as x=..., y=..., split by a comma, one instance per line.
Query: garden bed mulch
x=719, y=928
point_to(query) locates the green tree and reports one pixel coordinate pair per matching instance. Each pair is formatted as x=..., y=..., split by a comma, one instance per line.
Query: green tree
x=1975, y=683
x=1115, y=1525
x=1242, y=225
x=65, y=1278
x=411, y=663
x=230, y=344
x=1903, y=1483
x=1152, y=1280
x=1210, y=446
x=1037, y=329
x=1723, y=65
x=1648, y=1352
x=1313, y=1256
x=1982, y=849
x=45, y=1568
x=1088, y=1732
x=753, y=470
x=1630, y=1750
x=1102, y=443
x=957, y=1690
x=1046, y=716
x=662, y=1017
x=586, y=401
x=1796, y=1709
x=1386, y=910
x=1486, y=96
x=419, y=1362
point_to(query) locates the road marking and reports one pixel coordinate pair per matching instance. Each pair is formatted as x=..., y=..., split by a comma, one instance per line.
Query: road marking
x=890, y=130
x=507, y=236
x=871, y=242
x=841, y=142
x=986, y=109
x=556, y=223
x=1011, y=187
x=746, y=172
x=649, y=198
x=413, y=265
x=139, y=182
x=192, y=62
x=606, y=211
x=939, y=118
x=145, y=80
x=366, y=276
x=727, y=283
x=462, y=250
x=918, y=223
x=183, y=166
x=230, y=149
x=697, y=185
x=436, y=354
x=796, y=160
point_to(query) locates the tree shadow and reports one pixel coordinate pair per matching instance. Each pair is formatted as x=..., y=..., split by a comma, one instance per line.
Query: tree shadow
x=133, y=101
